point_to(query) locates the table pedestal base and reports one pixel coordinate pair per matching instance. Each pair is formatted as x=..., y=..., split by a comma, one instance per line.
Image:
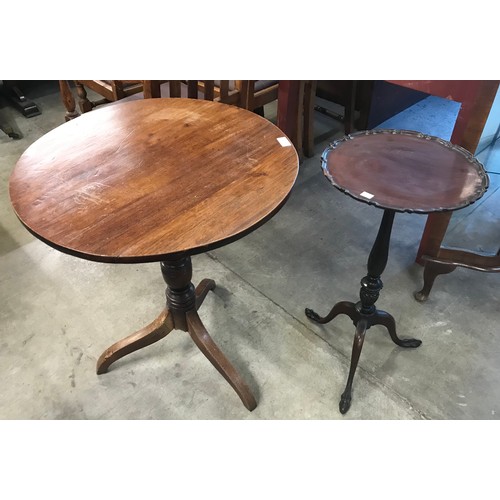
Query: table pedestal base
x=364, y=314
x=183, y=301
x=362, y=322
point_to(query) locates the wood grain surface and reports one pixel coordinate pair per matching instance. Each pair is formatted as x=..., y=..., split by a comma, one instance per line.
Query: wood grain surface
x=405, y=171
x=139, y=181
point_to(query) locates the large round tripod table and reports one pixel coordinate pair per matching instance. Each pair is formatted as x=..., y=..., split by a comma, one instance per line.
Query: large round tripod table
x=156, y=180
x=397, y=171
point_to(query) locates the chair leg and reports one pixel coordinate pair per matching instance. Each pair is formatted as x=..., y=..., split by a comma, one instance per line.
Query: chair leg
x=151, y=89
x=309, y=98
x=259, y=111
x=83, y=102
x=350, y=108
x=68, y=100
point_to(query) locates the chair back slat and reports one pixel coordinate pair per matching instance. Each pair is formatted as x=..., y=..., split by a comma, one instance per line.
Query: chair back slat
x=193, y=89
x=209, y=90
x=175, y=88
x=224, y=90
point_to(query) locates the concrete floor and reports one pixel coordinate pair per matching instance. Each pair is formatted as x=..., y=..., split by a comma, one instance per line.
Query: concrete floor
x=58, y=313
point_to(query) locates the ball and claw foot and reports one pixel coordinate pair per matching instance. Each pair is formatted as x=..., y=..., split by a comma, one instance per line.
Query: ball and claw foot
x=410, y=342
x=312, y=315
x=421, y=296
x=345, y=403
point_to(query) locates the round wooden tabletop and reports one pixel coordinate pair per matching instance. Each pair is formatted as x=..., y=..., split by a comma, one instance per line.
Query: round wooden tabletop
x=143, y=180
x=404, y=171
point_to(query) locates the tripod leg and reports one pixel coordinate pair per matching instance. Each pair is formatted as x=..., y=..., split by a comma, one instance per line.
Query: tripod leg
x=359, y=337
x=208, y=347
x=347, y=308
x=148, y=335
x=385, y=319
x=202, y=290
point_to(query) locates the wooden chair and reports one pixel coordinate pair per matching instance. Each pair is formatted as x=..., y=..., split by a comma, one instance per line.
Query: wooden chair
x=225, y=91
x=259, y=93
x=110, y=90
x=229, y=92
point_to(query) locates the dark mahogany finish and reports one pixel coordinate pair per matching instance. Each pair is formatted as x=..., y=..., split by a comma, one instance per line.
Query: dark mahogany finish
x=156, y=180
x=405, y=171
x=399, y=171
x=448, y=260
x=364, y=314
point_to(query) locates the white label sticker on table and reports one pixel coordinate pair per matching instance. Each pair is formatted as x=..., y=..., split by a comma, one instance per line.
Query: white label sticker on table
x=366, y=195
x=284, y=141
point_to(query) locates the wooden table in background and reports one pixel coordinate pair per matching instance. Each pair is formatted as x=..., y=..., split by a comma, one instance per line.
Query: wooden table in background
x=475, y=98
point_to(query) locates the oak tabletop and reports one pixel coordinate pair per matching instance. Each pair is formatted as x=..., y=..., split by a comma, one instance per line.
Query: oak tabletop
x=142, y=180
x=405, y=171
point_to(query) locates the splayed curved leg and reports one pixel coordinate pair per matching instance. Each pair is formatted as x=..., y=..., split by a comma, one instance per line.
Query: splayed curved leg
x=431, y=271
x=148, y=335
x=344, y=307
x=202, y=290
x=359, y=337
x=208, y=347
x=385, y=319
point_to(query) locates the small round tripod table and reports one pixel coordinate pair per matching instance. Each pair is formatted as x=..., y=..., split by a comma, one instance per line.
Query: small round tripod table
x=156, y=180
x=397, y=171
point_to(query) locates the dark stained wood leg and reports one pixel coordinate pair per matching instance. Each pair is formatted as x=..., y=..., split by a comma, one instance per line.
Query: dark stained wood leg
x=359, y=337
x=151, y=89
x=431, y=271
x=350, y=108
x=183, y=300
x=208, y=347
x=348, y=308
x=385, y=319
x=148, y=335
x=290, y=108
x=364, y=314
x=308, y=129
x=68, y=100
x=448, y=260
x=83, y=102
x=433, y=235
x=259, y=111
x=202, y=290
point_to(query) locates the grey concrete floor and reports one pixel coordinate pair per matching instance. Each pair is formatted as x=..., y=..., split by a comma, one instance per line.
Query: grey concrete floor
x=58, y=313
